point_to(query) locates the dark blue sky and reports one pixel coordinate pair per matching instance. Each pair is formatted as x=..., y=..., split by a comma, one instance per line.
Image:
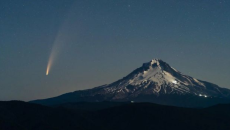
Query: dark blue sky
x=101, y=41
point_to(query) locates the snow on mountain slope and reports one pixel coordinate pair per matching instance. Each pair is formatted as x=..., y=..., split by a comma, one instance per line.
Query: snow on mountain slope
x=157, y=77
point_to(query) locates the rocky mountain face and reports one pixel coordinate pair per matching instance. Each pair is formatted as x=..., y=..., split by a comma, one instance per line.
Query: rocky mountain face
x=155, y=81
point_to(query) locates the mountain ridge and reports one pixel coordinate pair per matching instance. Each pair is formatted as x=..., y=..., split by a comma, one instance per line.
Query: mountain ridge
x=16, y=115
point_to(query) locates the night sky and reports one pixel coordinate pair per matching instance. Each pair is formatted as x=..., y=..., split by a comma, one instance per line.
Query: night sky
x=97, y=42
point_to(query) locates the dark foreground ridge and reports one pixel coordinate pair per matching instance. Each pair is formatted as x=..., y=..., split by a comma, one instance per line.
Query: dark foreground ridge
x=17, y=115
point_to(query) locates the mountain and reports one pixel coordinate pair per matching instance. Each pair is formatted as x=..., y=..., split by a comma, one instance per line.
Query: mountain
x=17, y=115
x=155, y=81
x=150, y=116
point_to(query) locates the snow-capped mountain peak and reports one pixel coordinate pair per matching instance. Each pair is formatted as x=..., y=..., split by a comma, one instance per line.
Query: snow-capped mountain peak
x=155, y=81
x=157, y=77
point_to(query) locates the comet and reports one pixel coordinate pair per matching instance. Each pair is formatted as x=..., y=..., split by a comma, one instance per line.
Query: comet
x=48, y=67
x=58, y=44
x=53, y=56
x=55, y=51
x=50, y=61
x=47, y=71
x=60, y=40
